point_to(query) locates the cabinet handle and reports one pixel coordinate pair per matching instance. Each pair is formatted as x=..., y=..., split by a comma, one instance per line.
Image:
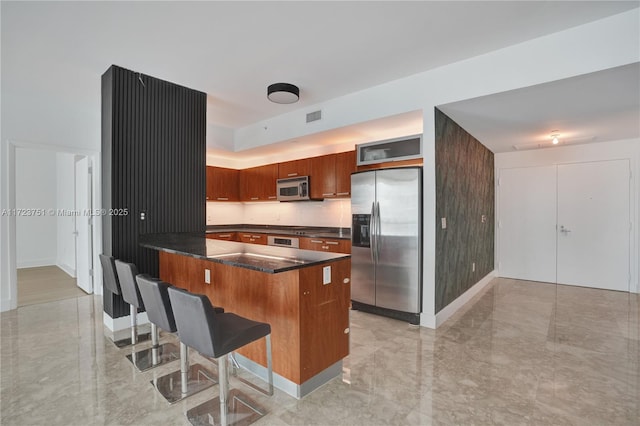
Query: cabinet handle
x=334, y=243
x=316, y=241
x=328, y=194
x=224, y=235
x=325, y=247
x=255, y=198
x=222, y=198
x=246, y=236
x=292, y=174
x=256, y=236
x=273, y=197
x=343, y=193
x=251, y=239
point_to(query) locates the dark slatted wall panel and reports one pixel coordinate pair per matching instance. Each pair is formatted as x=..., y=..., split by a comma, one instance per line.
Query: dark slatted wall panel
x=464, y=192
x=153, y=163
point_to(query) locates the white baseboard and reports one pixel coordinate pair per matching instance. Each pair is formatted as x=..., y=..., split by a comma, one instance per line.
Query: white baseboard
x=435, y=321
x=117, y=324
x=462, y=300
x=68, y=269
x=7, y=304
x=34, y=263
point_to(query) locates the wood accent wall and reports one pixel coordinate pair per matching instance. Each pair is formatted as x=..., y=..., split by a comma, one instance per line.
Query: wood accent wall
x=465, y=191
x=308, y=319
x=153, y=162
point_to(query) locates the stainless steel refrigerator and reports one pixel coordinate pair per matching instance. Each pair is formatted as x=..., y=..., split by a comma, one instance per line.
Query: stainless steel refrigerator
x=386, y=242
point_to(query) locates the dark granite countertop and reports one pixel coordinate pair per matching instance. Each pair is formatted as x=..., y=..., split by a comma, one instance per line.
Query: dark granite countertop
x=268, y=259
x=302, y=231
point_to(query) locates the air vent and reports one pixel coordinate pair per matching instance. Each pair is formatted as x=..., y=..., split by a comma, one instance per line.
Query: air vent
x=314, y=116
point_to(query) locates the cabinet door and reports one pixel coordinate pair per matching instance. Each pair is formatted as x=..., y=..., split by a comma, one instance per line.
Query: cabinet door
x=326, y=244
x=293, y=168
x=345, y=165
x=226, y=236
x=222, y=184
x=324, y=326
x=252, y=238
x=323, y=176
x=259, y=183
x=268, y=175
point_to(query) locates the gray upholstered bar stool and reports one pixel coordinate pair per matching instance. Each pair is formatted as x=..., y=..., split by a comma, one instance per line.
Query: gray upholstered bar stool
x=110, y=282
x=157, y=354
x=190, y=379
x=217, y=335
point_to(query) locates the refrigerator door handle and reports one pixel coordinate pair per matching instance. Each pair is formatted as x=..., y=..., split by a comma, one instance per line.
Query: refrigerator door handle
x=372, y=232
x=378, y=232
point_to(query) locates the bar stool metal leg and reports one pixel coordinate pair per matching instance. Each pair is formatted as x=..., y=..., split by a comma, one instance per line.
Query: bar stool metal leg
x=232, y=407
x=190, y=380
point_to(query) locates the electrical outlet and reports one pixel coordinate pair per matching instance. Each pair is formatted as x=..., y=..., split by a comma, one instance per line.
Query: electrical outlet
x=444, y=223
x=473, y=267
x=326, y=275
x=207, y=276
x=483, y=218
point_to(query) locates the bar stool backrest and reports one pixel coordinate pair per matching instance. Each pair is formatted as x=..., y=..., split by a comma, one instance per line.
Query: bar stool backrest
x=155, y=295
x=127, y=273
x=110, y=281
x=195, y=319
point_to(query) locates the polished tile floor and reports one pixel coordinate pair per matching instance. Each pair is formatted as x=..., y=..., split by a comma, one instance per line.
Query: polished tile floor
x=520, y=353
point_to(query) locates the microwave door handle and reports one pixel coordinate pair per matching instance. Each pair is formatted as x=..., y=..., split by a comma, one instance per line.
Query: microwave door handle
x=372, y=233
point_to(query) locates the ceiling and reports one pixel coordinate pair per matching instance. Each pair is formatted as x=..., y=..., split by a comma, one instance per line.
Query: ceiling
x=234, y=50
x=595, y=107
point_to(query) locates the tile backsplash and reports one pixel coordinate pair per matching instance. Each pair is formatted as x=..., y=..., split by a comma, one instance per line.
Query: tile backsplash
x=332, y=213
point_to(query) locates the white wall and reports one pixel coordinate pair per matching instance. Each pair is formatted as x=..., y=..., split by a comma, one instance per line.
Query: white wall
x=627, y=149
x=35, y=189
x=65, y=198
x=330, y=213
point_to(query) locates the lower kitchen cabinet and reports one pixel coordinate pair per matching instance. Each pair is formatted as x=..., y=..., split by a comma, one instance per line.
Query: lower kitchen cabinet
x=252, y=238
x=226, y=236
x=326, y=244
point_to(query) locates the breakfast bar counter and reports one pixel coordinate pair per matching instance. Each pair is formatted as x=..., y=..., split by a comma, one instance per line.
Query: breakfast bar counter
x=304, y=295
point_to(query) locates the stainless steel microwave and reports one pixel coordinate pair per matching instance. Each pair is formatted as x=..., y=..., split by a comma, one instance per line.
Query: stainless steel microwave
x=293, y=189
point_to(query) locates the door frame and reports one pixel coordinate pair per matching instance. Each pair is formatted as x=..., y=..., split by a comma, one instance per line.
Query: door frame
x=634, y=285
x=11, y=302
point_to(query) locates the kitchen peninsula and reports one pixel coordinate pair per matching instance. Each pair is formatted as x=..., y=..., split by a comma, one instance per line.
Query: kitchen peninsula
x=303, y=294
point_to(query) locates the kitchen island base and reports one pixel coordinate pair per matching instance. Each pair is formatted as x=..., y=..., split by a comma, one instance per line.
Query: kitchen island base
x=303, y=295
x=287, y=386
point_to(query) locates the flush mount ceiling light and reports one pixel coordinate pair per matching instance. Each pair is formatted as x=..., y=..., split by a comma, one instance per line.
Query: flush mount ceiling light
x=554, y=137
x=283, y=93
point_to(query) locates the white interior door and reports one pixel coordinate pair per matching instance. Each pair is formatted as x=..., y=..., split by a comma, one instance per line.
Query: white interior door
x=593, y=224
x=527, y=223
x=83, y=225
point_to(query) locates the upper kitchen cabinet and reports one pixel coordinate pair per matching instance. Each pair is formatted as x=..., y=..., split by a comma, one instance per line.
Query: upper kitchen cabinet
x=345, y=165
x=294, y=168
x=259, y=183
x=331, y=175
x=222, y=184
x=323, y=176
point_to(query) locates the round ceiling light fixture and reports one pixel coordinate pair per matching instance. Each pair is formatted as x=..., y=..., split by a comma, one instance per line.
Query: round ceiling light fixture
x=283, y=93
x=554, y=137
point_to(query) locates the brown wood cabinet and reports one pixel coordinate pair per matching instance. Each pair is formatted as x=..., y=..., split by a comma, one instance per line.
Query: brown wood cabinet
x=331, y=175
x=222, y=184
x=323, y=176
x=252, y=238
x=326, y=244
x=259, y=183
x=294, y=168
x=226, y=236
x=309, y=320
x=345, y=165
